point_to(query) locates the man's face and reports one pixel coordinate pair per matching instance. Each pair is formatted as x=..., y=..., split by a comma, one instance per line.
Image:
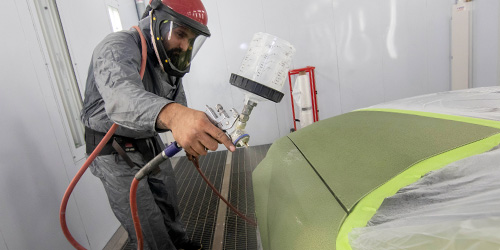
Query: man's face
x=178, y=44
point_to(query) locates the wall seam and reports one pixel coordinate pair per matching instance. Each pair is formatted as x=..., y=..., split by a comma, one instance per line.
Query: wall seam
x=498, y=39
x=425, y=86
x=337, y=56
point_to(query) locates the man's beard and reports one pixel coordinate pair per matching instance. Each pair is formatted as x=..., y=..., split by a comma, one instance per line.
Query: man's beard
x=178, y=58
x=173, y=53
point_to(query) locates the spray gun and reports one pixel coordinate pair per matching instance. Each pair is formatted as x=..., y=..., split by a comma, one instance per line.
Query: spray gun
x=235, y=122
x=261, y=77
x=233, y=125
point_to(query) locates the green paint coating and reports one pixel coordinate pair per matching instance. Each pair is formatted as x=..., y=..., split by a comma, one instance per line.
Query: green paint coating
x=368, y=206
x=357, y=152
x=354, y=154
x=288, y=197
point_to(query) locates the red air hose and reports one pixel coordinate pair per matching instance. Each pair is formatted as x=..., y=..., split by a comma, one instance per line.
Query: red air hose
x=69, y=190
x=135, y=213
x=197, y=165
x=95, y=153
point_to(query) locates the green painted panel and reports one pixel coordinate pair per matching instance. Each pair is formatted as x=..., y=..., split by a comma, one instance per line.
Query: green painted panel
x=368, y=206
x=294, y=208
x=357, y=152
x=353, y=154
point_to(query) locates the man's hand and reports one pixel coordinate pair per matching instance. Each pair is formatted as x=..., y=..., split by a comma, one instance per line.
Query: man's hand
x=192, y=130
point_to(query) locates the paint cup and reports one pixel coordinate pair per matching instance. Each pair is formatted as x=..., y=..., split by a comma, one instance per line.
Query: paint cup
x=267, y=62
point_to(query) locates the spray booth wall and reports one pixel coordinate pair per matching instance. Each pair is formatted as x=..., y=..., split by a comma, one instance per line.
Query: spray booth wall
x=365, y=52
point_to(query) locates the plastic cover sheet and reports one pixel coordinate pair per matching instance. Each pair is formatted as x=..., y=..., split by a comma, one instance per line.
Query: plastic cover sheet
x=456, y=207
x=476, y=102
x=302, y=96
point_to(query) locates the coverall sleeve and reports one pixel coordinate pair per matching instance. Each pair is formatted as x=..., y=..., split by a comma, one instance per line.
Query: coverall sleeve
x=116, y=63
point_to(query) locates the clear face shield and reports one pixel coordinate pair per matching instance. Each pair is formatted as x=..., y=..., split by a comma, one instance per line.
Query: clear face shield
x=181, y=43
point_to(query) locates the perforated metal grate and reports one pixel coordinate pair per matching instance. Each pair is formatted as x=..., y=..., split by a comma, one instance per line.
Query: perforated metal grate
x=197, y=203
x=239, y=235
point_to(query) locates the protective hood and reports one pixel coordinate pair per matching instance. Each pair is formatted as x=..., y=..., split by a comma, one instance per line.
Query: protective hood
x=176, y=38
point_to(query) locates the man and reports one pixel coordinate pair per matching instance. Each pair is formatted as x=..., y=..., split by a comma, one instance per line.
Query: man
x=174, y=30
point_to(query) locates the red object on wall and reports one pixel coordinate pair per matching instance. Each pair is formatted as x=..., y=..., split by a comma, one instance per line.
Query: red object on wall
x=310, y=71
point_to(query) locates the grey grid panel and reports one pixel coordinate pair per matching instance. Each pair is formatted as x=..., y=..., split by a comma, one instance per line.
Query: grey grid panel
x=238, y=234
x=197, y=202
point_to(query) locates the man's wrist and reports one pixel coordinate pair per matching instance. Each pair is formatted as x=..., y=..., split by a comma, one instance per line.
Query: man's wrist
x=167, y=115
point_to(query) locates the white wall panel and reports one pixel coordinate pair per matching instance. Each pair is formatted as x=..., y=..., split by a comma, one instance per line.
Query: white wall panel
x=485, y=38
x=128, y=13
x=34, y=176
x=404, y=48
x=438, y=43
x=361, y=40
x=239, y=20
x=313, y=34
x=391, y=49
x=85, y=24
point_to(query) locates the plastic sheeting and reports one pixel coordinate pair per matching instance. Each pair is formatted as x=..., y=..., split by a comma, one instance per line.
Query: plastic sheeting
x=477, y=102
x=455, y=207
x=302, y=96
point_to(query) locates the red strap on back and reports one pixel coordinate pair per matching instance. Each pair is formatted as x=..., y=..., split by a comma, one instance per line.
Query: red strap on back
x=144, y=51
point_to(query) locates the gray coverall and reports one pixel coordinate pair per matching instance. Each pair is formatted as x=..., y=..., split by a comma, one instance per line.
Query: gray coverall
x=115, y=94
